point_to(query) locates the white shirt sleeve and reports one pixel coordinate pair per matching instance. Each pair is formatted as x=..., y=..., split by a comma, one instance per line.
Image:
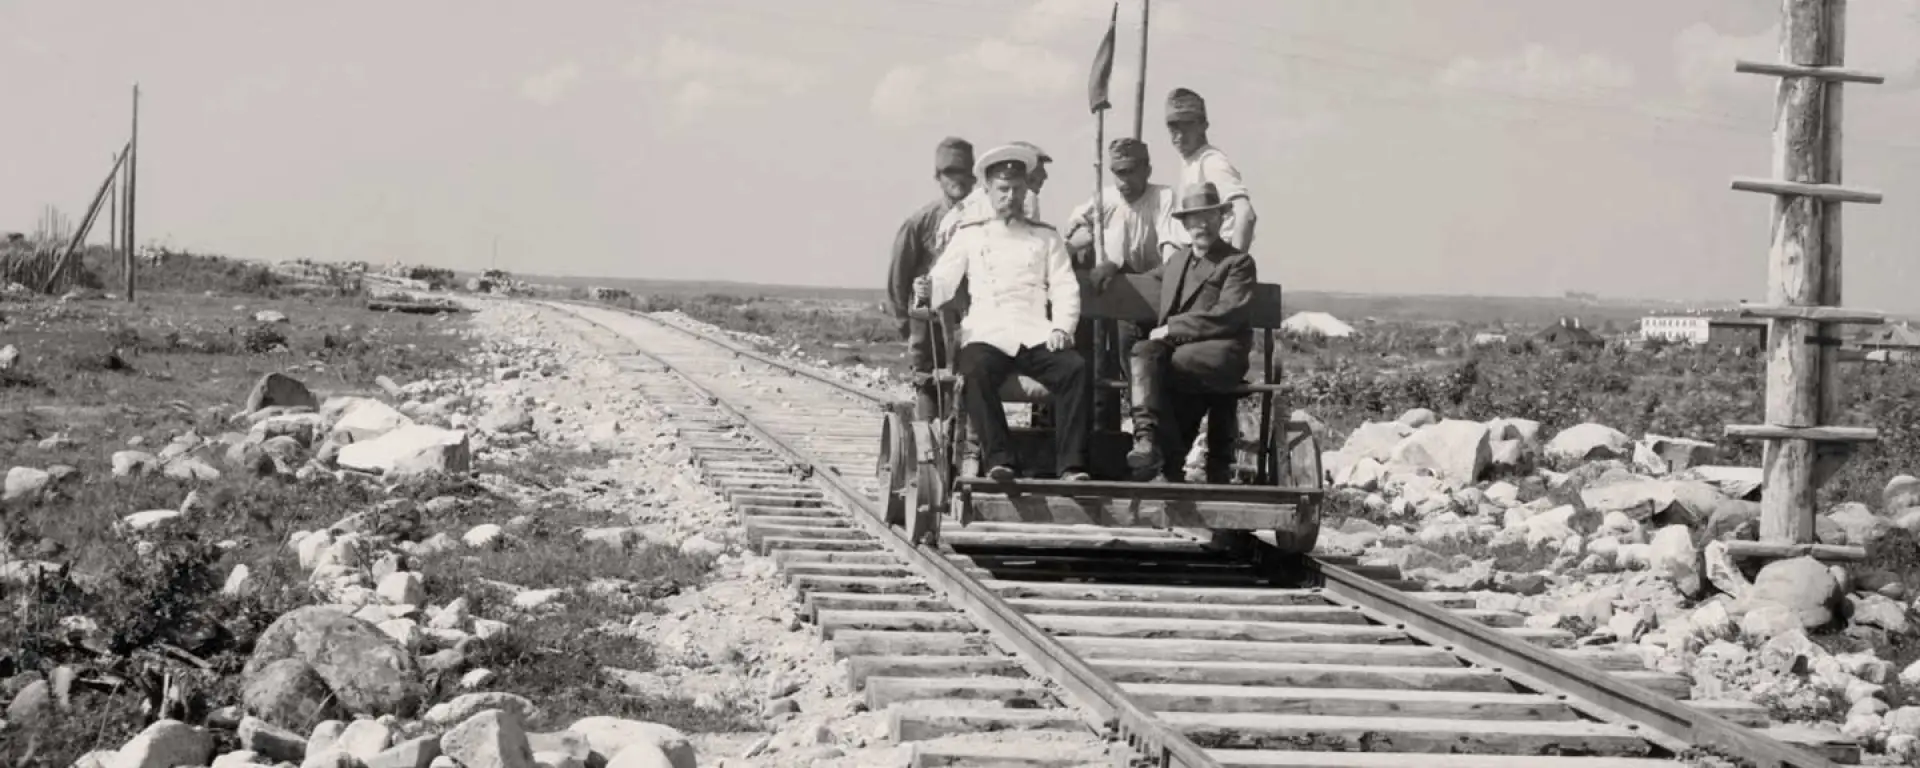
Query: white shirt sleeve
x=1215, y=167
x=951, y=266
x=1063, y=287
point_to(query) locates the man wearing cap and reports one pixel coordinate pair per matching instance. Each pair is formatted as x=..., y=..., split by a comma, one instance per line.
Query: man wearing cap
x=915, y=247
x=1025, y=306
x=976, y=208
x=1134, y=213
x=1200, y=344
x=1135, y=210
x=1204, y=163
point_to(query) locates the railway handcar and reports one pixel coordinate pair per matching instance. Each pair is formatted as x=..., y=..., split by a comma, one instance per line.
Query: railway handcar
x=1278, y=484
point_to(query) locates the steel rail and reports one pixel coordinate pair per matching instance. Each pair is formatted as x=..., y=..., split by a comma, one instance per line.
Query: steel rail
x=878, y=398
x=1652, y=715
x=1086, y=687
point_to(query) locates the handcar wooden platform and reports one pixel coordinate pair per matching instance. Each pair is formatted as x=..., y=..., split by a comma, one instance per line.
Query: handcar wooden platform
x=1277, y=485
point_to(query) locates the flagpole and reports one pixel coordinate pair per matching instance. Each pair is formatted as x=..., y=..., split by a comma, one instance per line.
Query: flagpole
x=1103, y=70
x=1099, y=227
x=1140, y=83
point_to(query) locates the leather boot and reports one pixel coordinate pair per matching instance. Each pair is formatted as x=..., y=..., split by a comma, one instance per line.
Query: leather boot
x=1145, y=458
x=1223, y=432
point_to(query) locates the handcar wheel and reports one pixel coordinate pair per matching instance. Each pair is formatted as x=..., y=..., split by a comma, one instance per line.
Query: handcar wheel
x=1298, y=451
x=899, y=465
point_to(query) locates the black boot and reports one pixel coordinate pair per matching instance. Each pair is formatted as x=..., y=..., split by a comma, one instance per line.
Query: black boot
x=1144, y=459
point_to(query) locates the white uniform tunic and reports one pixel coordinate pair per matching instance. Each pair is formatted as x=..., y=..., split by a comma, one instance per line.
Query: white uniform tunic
x=1013, y=270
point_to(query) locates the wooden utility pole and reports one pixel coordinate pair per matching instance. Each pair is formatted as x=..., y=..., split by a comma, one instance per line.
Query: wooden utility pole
x=1140, y=83
x=113, y=209
x=1803, y=399
x=133, y=151
x=100, y=197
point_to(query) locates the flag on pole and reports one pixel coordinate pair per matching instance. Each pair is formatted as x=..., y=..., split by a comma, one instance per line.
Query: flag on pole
x=1103, y=66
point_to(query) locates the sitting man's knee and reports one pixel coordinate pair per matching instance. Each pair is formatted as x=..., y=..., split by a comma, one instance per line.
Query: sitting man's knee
x=1151, y=348
x=1070, y=359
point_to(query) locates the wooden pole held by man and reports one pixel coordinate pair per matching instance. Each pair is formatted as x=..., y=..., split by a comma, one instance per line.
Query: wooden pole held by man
x=1140, y=83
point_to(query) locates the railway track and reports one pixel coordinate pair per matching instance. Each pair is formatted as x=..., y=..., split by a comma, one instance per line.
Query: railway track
x=1179, y=653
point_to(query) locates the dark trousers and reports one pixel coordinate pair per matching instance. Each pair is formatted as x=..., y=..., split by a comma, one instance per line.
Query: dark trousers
x=1063, y=373
x=1172, y=388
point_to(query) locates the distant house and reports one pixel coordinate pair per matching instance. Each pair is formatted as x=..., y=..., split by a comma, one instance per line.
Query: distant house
x=1892, y=343
x=1568, y=333
x=1746, y=334
x=1720, y=328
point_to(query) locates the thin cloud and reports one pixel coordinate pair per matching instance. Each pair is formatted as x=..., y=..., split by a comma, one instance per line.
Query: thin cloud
x=1538, y=70
x=551, y=85
x=993, y=68
x=701, y=76
x=1045, y=51
x=1883, y=36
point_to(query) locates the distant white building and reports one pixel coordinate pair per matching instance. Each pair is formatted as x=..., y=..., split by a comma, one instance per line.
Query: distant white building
x=1716, y=328
x=1692, y=329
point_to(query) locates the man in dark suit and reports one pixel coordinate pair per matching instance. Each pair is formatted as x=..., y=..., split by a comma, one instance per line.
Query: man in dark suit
x=1201, y=344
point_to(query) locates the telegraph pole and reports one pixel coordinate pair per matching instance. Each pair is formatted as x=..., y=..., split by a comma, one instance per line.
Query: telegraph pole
x=133, y=150
x=1804, y=447
x=113, y=212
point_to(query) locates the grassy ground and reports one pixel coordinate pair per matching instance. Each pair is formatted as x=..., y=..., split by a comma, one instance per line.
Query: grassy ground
x=95, y=376
x=840, y=331
x=1404, y=359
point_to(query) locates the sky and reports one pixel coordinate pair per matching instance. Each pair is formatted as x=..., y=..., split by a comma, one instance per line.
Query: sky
x=1487, y=147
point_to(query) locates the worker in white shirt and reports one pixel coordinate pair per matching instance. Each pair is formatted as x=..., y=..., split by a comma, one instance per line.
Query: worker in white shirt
x=975, y=208
x=1203, y=163
x=1014, y=269
x=1134, y=209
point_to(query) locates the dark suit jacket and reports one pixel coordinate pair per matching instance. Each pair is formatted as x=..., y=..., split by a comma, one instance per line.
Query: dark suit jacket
x=1209, y=300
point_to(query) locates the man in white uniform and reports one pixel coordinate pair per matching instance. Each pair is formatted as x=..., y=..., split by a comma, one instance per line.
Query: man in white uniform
x=975, y=208
x=1014, y=269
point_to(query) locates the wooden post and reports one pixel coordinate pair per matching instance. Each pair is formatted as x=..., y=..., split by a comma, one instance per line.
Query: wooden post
x=127, y=259
x=1829, y=457
x=1804, y=447
x=113, y=209
x=1794, y=266
x=86, y=225
x=1140, y=83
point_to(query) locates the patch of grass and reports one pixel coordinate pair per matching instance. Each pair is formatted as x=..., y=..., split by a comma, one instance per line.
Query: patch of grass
x=101, y=374
x=1808, y=705
x=1896, y=552
x=839, y=330
x=547, y=466
x=558, y=657
x=560, y=664
x=186, y=272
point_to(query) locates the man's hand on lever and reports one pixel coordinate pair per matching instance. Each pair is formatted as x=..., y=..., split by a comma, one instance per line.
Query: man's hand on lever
x=1102, y=275
x=1158, y=333
x=922, y=291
